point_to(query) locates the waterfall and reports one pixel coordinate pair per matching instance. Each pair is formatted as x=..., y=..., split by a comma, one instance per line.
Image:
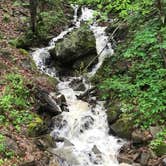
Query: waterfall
x=84, y=128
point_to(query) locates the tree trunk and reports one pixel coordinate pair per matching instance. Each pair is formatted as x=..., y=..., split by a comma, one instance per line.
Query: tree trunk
x=33, y=11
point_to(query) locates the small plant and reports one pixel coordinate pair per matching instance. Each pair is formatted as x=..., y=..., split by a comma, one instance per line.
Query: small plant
x=14, y=102
x=159, y=143
x=6, y=18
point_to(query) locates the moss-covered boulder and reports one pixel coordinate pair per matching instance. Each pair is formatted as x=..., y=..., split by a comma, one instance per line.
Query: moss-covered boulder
x=123, y=127
x=113, y=112
x=78, y=44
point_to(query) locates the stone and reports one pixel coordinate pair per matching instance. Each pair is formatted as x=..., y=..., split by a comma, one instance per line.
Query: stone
x=44, y=142
x=87, y=122
x=65, y=153
x=163, y=162
x=125, y=159
x=122, y=127
x=145, y=156
x=78, y=44
x=64, y=140
x=87, y=63
x=57, y=123
x=61, y=101
x=113, y=113
x=96, y=150
x=155, y=130
x=77, y=85
x=47, y=104
x=45, y=57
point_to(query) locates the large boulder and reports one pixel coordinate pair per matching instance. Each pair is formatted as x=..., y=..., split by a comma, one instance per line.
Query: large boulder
x=77, y=45
x=123, y=127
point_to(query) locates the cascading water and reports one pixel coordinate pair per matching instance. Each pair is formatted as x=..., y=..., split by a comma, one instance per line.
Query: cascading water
x=84, y=128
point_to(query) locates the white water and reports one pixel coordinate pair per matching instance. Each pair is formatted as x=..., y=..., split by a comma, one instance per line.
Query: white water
x=84, y=127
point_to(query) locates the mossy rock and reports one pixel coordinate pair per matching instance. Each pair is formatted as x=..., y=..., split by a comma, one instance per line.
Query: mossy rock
x=78, y=44
x=160, y=149
x=36, y=127
x=113, y=112
x=123, y=127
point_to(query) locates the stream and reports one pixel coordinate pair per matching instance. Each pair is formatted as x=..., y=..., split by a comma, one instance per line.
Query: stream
x=84, y=127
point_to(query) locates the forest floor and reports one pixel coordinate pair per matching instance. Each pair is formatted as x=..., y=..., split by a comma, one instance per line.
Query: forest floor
x=16, y=147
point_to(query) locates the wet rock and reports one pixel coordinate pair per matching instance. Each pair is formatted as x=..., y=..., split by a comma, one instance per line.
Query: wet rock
x=77, y=85
x=44, y=142
x=61, y=101
x=87, y=93
x=47, y=104
x=78, y=44
x=64, y=141
x=163, y=162
x=65, y=153
x=58, y=123
x=96, y=150
x=145, y=156
x=45, y=57
x=87, y=121
x=122, y=127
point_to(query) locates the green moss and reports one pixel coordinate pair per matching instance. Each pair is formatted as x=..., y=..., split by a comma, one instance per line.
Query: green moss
x=161, y=149
x=123, y=127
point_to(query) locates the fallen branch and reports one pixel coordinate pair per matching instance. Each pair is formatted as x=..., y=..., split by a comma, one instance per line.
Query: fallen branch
x=110, y=38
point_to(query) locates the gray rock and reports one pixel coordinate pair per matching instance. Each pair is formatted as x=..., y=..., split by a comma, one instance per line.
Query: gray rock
x=47, y=103
x=87, y=122
x=77, y=85
x=45, y=57
x=163, y=162
x=44, y=142
x=78, y=44
x=96, y=150
x=64, y=140
x=61, y=101
x=65, y=153
x=145, y=156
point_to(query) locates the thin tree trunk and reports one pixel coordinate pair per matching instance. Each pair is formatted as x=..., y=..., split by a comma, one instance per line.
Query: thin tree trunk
x=33, y=11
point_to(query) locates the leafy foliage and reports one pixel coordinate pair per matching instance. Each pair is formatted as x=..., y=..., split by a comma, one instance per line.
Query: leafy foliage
x=14, y=102
x=141, y=86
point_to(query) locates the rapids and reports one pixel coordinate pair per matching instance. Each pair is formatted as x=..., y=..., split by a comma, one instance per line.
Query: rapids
x=84, y=127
